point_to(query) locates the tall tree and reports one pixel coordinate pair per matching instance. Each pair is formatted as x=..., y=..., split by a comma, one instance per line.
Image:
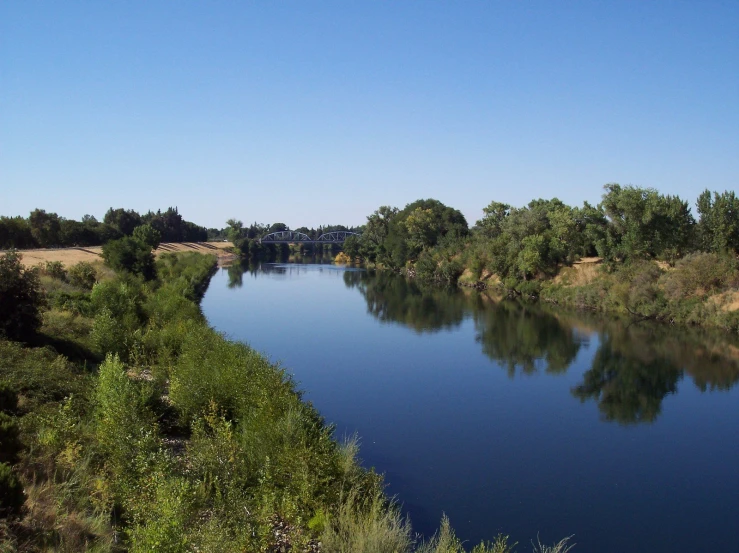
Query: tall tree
x=123, y=220
x=645, y=224
x=234, y=230
x=718, y=228
x=45, y=228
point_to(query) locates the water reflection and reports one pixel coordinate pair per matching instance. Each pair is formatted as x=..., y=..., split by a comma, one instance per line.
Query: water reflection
x=635, y=367
x=393, y=299
x=525, y=338
x=627, y=389
x=288, y=265
x=638, y=365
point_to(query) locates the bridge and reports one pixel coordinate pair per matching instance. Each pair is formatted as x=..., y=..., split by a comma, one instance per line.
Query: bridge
x=295, y=237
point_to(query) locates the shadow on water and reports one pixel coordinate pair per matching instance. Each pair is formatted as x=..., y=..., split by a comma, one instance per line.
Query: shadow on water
x=634, y=368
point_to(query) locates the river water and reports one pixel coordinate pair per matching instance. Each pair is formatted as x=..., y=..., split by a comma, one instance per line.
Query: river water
x=509, y=418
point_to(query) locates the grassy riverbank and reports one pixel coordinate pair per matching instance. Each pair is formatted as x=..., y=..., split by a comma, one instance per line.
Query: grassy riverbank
x=128, y=424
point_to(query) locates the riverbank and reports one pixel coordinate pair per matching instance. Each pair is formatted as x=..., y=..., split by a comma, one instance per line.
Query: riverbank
x=119, y=441
x=700, y=289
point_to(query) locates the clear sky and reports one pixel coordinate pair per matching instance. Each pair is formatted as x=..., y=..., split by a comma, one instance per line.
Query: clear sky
x=312, y=113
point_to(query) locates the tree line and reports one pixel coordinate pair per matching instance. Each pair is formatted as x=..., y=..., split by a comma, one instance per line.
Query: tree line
x=531, y=243
x=42, y=229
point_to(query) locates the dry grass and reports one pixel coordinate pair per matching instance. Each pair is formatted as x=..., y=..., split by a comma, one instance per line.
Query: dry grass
x=72, y=256
x=728, y=301
x=582, y=272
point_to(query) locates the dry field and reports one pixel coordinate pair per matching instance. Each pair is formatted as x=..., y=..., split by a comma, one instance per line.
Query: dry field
x=70, y=256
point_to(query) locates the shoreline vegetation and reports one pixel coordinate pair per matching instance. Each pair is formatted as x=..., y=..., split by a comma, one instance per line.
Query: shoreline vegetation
x=128, y=424
x=638, y=253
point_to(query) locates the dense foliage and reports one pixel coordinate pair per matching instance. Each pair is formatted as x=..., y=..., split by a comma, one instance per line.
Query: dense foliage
x=49, y=230
x=130, y=255
x=20, y=298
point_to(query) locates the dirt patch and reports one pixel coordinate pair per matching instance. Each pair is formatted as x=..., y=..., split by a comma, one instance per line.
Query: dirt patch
x=71, y=256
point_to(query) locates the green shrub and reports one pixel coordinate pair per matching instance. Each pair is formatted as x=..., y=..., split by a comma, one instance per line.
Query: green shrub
x=166, y=519
x=121, y=297
x=55, y=269
x=75, y=302
x=8, y=398
x=700, y=274
x=528, y=288
x=127, y=435
x=11, y=490
x=131, y=256
x=82, y=274
x=20, y=298
x=118, y=312
x=121, y=413
x=449, y=271
x=10, y=444
x=109, y=336
x=40, y=375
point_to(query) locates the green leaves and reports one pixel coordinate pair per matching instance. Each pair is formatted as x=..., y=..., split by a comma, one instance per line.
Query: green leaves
x=131, y=256
x=20, y=298
x=718, y=229
x=645, y=224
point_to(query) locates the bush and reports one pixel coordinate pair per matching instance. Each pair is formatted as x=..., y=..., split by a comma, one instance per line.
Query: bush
x=166, y=520
x=82, y=274
x=10, y=444
x=38, y=374
x=127, y=434
x=11, y=491
x=8, y=399
x=55, y=269
x=131, y=256
x=20, y=298
x=121, y=413
x=117, y=306
x=700, y=274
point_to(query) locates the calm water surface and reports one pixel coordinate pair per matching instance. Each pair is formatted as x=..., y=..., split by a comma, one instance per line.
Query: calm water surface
x=508, y=418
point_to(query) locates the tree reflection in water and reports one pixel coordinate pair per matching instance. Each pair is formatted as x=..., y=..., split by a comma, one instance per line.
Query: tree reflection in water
x=523, y=338
x=391, y=298
x=627, y=389
x=638, y=365
x=635, y=367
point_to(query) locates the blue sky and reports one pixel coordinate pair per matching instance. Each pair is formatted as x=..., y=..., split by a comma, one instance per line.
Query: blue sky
x=312, y=113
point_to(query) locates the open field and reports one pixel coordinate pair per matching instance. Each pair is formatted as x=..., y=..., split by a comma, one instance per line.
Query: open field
x=70, y=256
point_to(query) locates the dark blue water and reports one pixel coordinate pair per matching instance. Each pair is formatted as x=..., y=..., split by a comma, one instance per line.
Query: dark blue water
x=508, y=418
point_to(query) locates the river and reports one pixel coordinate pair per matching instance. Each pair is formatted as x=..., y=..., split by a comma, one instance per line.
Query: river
x=509, y=418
